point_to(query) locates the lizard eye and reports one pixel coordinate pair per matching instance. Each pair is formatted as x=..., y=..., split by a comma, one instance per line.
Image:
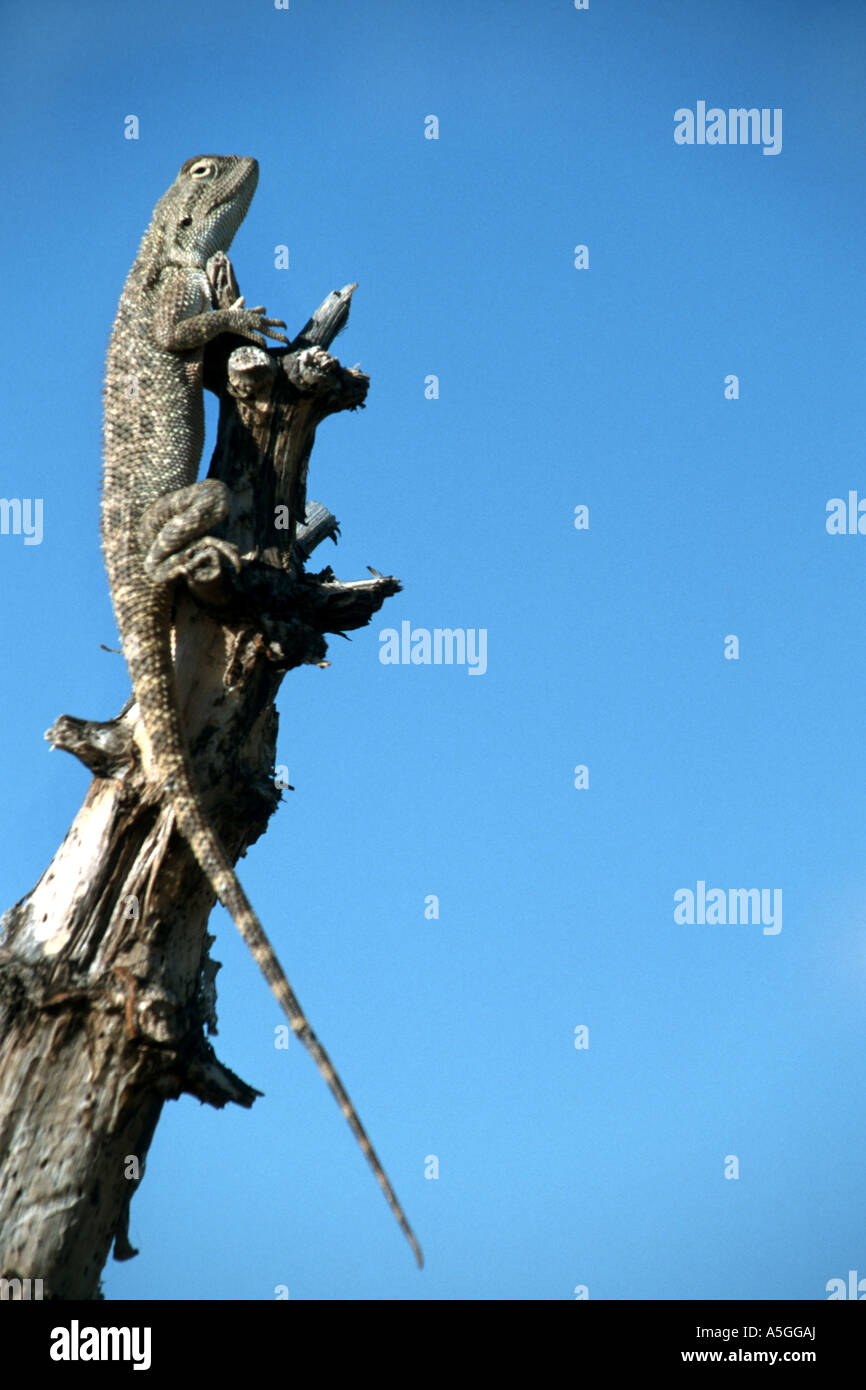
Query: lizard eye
x=201, y=171
x=185, y=222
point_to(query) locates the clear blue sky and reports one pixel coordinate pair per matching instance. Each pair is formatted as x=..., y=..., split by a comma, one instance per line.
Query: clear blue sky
x=558, y=1167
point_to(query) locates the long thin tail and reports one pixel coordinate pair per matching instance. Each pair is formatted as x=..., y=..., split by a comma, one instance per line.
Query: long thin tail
x=213, y=859
x=148, y=657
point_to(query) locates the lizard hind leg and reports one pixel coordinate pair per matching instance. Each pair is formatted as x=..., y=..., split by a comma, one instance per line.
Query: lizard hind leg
x=174, y=534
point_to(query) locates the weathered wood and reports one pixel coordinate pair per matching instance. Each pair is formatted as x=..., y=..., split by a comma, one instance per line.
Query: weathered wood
x=106, y=988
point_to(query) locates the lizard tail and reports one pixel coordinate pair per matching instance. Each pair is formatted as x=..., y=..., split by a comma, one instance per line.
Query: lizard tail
x=150, y=665
x=213, y=859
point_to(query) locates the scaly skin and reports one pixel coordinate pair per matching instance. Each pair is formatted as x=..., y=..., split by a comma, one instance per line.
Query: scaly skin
x=156, y=517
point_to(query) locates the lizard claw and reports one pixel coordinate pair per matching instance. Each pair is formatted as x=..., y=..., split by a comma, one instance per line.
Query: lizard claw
x=269, y=323
x=255, y=326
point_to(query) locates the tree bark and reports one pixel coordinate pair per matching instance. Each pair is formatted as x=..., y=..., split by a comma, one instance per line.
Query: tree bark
x=106, y=988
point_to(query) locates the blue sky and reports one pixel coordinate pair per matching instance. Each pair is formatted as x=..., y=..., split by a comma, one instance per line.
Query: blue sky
x=559, y=1167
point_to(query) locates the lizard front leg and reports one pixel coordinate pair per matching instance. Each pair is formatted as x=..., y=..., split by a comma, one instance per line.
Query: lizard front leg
x=183, y=321
x=174, y=538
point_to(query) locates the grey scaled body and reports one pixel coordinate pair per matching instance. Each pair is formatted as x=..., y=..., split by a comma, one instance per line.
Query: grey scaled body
x=156, y=518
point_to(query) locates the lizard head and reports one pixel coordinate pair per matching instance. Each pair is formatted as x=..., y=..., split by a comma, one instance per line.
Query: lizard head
x=205, y=205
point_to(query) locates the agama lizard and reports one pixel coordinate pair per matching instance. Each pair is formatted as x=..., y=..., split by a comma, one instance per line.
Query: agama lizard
x=156, y=517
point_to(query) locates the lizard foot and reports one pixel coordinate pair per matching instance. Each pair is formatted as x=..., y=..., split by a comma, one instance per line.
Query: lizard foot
x=200, y=562
x=174, y=534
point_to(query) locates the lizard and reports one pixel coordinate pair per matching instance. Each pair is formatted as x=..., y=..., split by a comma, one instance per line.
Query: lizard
x=156, y=518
